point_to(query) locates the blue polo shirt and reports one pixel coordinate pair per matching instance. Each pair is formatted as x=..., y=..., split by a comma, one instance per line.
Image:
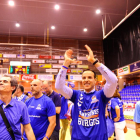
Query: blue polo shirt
x=89, y=121
x=16, y=113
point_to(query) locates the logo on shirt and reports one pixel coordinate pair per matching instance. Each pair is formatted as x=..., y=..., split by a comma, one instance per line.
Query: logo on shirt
x=94, y=100
x=38, y=107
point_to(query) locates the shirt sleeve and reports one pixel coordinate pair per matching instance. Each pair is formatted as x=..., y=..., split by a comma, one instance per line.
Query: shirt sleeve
x=137, y=113
x=60, y=84
x=111, y=80
x=50, y=108
x=25, y=116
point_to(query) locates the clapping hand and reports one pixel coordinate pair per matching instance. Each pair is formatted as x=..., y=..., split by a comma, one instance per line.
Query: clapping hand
x=90, y=57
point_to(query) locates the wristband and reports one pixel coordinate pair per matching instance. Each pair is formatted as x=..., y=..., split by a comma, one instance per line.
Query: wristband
x=65, y=67
x=95, y=61
x=46, y=137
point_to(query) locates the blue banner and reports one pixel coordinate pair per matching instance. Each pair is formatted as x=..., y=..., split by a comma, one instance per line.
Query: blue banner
x=135, y=67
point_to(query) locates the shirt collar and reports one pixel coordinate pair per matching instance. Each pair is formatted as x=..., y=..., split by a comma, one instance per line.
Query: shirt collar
x=90, y=91
x=11, y=102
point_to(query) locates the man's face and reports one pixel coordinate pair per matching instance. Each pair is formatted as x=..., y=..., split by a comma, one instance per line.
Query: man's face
x=46, y=88
x=88, y=80
x=36, y=87
x=5, y=85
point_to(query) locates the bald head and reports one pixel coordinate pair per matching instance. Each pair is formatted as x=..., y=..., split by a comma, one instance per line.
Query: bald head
x=36, y=87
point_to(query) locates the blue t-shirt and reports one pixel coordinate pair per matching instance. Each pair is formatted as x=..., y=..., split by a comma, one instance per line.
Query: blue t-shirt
x=57, y=102
x=39, y=111
x=137, y=113
x=117, y=102
x=89, y=121
x=64, y=108
x=16, y=113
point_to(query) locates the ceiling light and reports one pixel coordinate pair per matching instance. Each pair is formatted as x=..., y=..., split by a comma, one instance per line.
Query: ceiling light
x=56, y=7
x=85, y=29
x=17, y=25
x=120, y=77
x=98, y=11
x=53, y=27
x=11, y=3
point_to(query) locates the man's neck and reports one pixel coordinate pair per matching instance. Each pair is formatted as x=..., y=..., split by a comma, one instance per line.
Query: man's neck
x=38, y=95
x=50, y=93
x=6, y=98
x=92, y=90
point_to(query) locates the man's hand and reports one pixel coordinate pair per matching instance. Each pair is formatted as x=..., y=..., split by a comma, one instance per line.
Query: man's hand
x=90, y=57
x=68, y=59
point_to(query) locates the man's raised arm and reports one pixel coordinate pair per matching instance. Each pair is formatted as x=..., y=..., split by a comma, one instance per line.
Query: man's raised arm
x=60, y=80
x=111, y=79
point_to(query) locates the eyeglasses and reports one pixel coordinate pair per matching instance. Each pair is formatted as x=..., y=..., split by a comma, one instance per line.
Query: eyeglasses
x=44, y=88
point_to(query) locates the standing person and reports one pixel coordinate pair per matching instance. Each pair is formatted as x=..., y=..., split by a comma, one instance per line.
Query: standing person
x=16, y=112
x=19, y=94
x=47, y=88
x=89, y=121
x=63, y=118
x=137, y=118
x=117, y=116
x=41, y=111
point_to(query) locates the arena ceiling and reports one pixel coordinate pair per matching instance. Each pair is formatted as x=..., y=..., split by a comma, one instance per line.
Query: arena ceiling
x=36, y=16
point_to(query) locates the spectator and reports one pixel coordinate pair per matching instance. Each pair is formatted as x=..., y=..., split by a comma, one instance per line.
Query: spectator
x=41, y=111
x=47, y=89
x=16, y=112
x=137, y=118
x=117, y=116
x=89, y=106
x=19, y=94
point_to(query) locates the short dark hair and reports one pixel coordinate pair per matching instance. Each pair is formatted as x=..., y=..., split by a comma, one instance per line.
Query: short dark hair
x=13, y=82
x=91, y=71
x=21, y=87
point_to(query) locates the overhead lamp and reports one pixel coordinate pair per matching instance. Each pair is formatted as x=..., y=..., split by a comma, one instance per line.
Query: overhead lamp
x=98, y=11
x=56, y=7
x=120, y=77
x=17, y=24
x=53, y=27
x=11, y=2
x=85, y=29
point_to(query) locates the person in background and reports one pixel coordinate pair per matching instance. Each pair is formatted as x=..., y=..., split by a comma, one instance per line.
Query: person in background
x=63, y=117
x=47, y=89
x=89, y=121
x=19, y=94
x=16, y=112
x=41, y=111
x=137, y=118
x=118, y=116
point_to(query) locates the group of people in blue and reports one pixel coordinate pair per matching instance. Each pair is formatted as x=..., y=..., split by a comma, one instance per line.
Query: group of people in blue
x=38, y=117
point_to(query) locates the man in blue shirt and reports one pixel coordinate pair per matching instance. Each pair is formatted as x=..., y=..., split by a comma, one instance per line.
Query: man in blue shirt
x=137, y=118
x=19, y=94
x=47, y=88
x=15, y=111
x=89, y=121
x=41, y=111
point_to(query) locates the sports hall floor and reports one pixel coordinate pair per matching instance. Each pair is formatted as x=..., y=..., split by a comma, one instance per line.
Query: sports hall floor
x=130, y=135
